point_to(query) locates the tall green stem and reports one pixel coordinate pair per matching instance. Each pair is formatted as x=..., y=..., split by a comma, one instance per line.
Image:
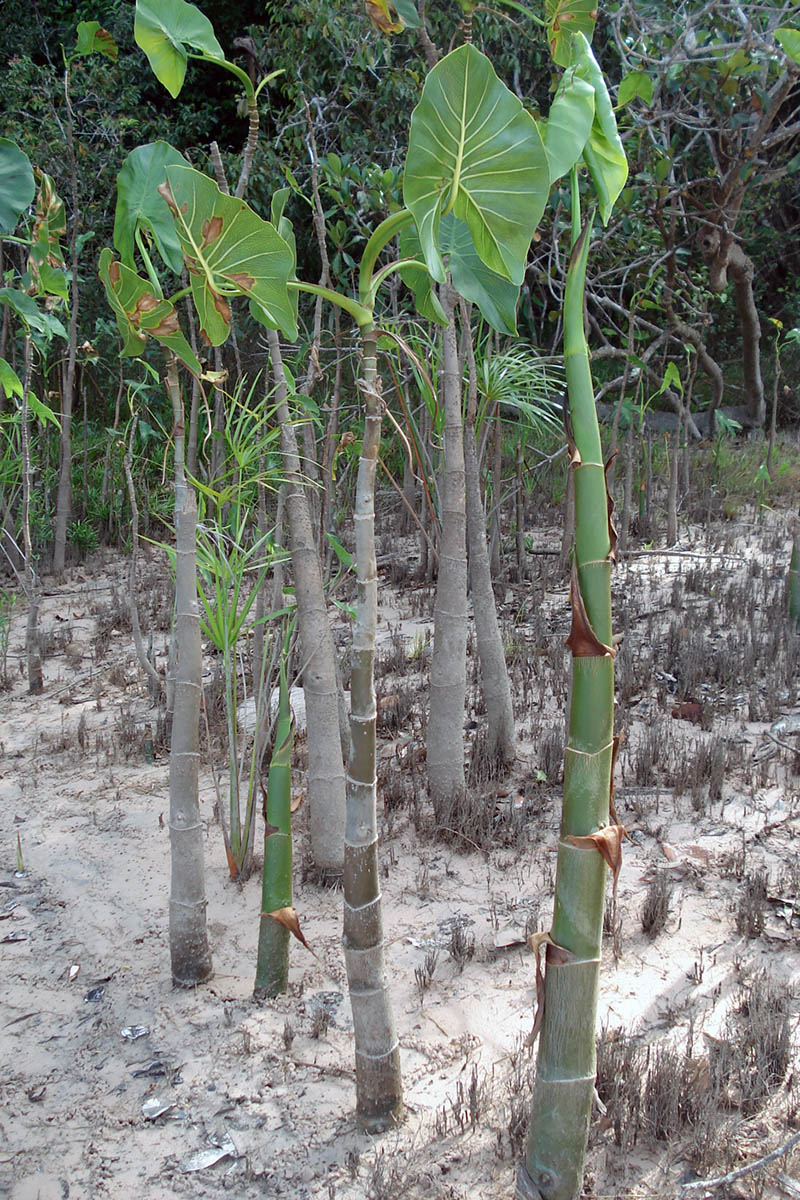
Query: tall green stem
x=566, y=1066
x=378, y=1083
x=272, y=969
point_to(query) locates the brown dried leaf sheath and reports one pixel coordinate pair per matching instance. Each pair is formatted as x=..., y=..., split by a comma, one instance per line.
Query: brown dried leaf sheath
x=607, y=841
x=612, y=529
x=289, y=919
x=582, y=640
x=555, y=954
x=617, y=742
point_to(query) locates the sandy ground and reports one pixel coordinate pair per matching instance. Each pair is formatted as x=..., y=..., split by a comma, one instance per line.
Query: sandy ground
x=89, y=1111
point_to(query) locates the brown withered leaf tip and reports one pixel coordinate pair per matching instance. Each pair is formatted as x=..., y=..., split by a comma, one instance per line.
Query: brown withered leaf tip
x=612, y=529
x=211, y=230
x=289, y=919
x=222, y=306
x=165, y=191
x=145, y=304
x=243, y=280
x=556, y=955
x=167, y=326
x=582, y=640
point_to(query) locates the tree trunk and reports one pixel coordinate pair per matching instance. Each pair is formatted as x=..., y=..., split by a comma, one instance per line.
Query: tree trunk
x=723, y=256
x=445, y=734
x=64, y=494
x=500, y=733
x=33, y=652
x=379, y=1094
x=326, y=778
x=188, y=935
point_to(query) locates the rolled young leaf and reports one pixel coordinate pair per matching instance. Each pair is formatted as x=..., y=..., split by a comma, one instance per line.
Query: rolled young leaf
x=603, y=152
x=569, y=123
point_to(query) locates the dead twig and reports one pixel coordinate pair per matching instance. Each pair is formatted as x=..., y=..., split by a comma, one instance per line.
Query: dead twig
x=723, y=1180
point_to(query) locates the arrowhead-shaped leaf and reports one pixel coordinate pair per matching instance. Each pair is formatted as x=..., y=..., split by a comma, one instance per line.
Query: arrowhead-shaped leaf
x=229, y=250
x=635, y=85
x=603, y=152
x=139, y=311
x=139, y=203
x=17, y=187
x=92, y=38
x=569, y=123
x=163, y=29
x=475, y=151
x=564, y=18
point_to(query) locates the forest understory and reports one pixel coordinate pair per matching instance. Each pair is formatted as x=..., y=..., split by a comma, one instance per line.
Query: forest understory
x=114, y=1084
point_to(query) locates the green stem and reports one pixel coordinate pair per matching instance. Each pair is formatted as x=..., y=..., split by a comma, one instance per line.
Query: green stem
x=377, y=243
x=378, y=1083
x=566, y=1065
x=272, y=969
x=359, y=312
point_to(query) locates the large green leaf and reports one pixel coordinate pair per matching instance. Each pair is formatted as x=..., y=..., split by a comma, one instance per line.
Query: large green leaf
x=17, y=187
x=603, y=152
x=139, y=203
x=92, y=38
x=564, y=18
x=163, y=29
x=229, y=250
x=569, y=123
x=139, y=311
x=475, y=151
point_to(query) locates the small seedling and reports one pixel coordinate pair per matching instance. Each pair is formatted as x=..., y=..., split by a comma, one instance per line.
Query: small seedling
x=655, y=910
x=20, y=861
x=751, y=904
x=424, y=974
x=462, y=947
